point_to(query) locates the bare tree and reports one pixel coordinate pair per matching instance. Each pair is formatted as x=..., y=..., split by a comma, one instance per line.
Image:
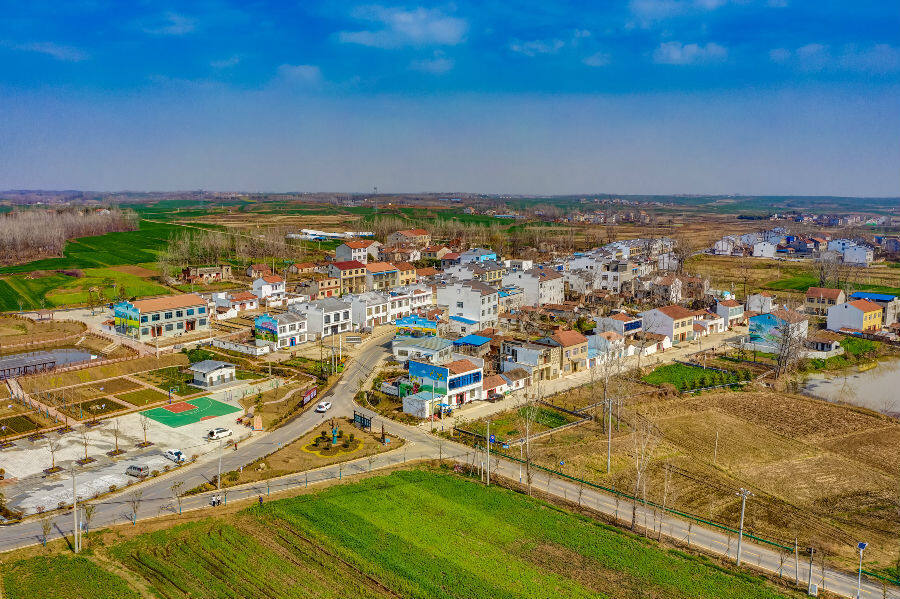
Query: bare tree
x=134, y=500
x=145, y=426
x=609, y=366
x=85, y=441
x=644, y=441
x=176, y=492
x=53, y=444
x=46, y=527
x=89, y=510
x=115, y=432
x=528, y=413
x=790, y=338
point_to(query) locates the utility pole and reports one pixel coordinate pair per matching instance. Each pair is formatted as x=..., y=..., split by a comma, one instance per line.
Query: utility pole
x=861, y=546
x=219, y=477
x=76, y=537
x=811, y=550
x=489, y=453
x=744, y=493
x=608, y=436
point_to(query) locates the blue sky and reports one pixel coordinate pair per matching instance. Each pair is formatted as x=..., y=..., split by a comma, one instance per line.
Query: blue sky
x=641, y=96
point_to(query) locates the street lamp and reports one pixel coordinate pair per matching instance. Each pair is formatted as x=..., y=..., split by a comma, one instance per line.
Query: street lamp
x=861, y=546
x=744, y=494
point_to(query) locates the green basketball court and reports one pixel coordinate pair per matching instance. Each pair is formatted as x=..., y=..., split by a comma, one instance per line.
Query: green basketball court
x=189, y=412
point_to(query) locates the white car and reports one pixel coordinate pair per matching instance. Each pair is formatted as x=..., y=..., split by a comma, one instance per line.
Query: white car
x=323, y=406
x=175, y=455
x=218, y=433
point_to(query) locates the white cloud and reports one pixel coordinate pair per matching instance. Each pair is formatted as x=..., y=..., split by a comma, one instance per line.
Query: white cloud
x=656, y=10
x=226, y=63
x=536, y=47
x=397, y=27
x=878, y=58
x=678, y=53
x=436, y=65
x=599, y=59
x=779, y=54
x=170, y=23
x=57, y=51
x=307, y=75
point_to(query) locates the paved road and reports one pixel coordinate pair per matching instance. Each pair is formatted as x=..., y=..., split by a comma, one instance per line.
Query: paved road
x=157, y=498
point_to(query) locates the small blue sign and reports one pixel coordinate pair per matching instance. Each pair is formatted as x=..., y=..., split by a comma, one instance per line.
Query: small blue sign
x=506, y=446
x=493, y=438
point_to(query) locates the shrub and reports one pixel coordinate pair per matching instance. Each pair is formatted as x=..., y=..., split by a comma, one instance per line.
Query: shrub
x=112, y=488
x=154, y=473
x=351, y=437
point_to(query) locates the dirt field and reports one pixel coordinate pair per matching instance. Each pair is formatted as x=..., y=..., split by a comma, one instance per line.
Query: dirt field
x=15, y=331
x=824, y=473
x=138, y=271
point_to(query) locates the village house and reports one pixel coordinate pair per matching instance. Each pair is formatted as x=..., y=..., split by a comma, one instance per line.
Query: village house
x=351, y=274
x=857, y=315
x=574, y=350
x=381, y=275
x=361, y=251
x=255, y=271
x=409, y=237
x=206, y=274
x=302, y=268
x=820, y=299
x=168, y=316
x=269, y=286
x=731, y=311
x=674, y=322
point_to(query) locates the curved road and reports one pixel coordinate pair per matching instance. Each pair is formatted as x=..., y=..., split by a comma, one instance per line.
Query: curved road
x=157, y=498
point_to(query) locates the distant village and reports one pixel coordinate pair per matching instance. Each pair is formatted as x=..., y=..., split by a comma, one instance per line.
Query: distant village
x=470, y=324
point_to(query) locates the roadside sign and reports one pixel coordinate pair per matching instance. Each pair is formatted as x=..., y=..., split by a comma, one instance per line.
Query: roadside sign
x=310, y=395
x=505, y=446
x=493, y=439
x=861, y=545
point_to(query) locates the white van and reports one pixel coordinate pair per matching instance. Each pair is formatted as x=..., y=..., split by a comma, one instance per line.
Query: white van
x=138, y=471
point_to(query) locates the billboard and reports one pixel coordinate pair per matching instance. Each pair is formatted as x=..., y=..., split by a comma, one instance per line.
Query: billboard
x=412, y=324
x=428, y=377
x=126, y=317
x=265, y=327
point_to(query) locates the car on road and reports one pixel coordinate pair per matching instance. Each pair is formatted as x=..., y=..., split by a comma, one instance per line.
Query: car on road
x=323, y=406
x=138, y=471
x=218, y=433
x=175, y=455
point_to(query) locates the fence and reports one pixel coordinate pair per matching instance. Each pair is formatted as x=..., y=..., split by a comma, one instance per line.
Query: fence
x=686, y=515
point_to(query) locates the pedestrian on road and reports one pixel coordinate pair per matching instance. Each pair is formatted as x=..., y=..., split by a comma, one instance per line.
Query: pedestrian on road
x=235, y=445
x=260, y=501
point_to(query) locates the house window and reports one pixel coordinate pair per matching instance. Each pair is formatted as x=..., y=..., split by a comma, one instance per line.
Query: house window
x=190, y=311
x=202, y=322
x=145, y=331
x=178, y=313
x=169, y=327
x=168, y=315
x=143, y=319
x=203, y=310
x=154, y=317
x=180, y=325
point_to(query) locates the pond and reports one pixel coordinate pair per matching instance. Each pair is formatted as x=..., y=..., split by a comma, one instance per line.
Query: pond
x=875, y=388
x=37, y=361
